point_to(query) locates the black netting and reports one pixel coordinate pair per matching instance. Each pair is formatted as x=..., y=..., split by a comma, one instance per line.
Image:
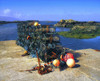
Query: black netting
x=41, y=38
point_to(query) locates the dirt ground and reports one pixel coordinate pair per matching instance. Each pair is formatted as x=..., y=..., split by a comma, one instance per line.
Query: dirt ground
x=87, y=66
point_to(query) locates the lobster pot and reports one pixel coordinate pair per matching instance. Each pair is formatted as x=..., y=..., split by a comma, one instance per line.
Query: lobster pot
x=42, y=39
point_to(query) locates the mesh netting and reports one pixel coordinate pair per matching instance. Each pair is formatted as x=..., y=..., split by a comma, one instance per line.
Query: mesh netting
x=42, y=39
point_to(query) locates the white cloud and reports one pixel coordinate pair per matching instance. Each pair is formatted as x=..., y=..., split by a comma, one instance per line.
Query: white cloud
x=10, y=13
x=6, y=11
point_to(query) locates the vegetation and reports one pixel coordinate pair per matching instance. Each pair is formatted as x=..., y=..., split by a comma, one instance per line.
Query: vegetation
x=71, y=23
x=82, y=32
x=79, y=30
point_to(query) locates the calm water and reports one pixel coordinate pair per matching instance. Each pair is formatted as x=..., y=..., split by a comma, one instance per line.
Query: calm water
x=9, y=32
x=76, y=44
x=59, y=29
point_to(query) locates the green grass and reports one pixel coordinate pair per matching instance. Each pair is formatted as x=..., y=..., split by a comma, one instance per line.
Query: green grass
x=79, y=35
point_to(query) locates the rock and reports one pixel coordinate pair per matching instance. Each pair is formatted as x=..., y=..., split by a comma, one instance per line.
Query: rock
x=11, y=62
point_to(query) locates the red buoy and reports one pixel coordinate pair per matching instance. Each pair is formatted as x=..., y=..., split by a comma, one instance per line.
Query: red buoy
x=68, y=56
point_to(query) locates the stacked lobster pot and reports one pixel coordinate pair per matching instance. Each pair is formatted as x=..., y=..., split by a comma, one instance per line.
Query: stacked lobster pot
x=42, y=39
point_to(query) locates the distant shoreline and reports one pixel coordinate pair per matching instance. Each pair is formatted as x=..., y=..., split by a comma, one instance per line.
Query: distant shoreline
x=6, y=22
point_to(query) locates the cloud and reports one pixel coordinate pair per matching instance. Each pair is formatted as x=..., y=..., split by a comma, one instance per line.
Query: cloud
x=10, y=13
x=6, y=11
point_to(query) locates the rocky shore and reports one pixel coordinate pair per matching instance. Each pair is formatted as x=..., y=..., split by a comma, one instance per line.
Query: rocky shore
x=79, y=30
x=87, y=66
x=69, y=23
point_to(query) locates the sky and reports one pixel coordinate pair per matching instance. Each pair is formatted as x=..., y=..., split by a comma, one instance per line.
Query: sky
x=51, y=10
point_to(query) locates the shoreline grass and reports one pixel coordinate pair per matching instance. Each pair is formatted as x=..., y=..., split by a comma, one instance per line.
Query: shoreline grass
x=78, y=36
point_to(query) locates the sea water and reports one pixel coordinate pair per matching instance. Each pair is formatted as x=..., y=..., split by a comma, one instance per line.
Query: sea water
x=9, y=32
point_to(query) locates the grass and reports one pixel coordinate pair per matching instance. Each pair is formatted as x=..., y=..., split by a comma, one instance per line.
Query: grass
x=78, y=35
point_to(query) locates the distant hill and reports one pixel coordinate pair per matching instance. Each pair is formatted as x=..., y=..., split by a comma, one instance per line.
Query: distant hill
x=4, y=18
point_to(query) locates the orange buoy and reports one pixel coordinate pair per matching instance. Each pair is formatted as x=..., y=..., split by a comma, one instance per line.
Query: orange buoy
x=25, y=52
x=70, y=62
x=56, y=62
x=28, y=37
x=62, y=58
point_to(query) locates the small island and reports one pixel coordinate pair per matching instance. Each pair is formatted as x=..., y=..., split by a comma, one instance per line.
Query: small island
x=80, y=30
